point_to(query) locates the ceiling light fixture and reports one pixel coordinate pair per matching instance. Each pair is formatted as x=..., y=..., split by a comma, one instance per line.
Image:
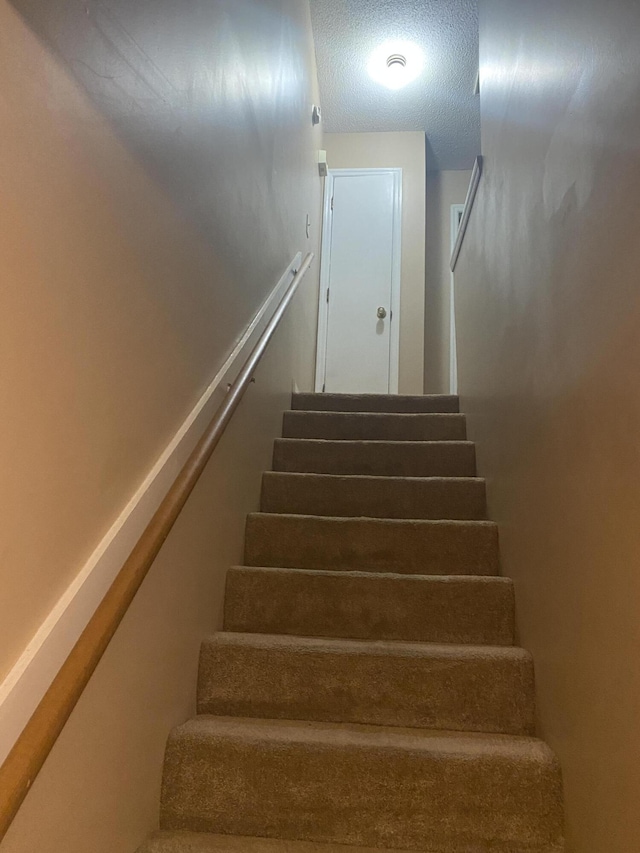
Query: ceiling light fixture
x=394, y=64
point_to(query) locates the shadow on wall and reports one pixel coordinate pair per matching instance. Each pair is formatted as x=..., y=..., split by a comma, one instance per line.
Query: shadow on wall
x=208, y=100
x=133, y=259
x=549, y=346
x=143, y=224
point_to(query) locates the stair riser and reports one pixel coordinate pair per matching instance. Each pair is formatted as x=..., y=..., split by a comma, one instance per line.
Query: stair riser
x=190, y=842
x=348, y=793
x=374, y=427
x=370, y=607
x=342, y=544
x=490, y=690
x=402, y=459
x=375, y=403
x=375, y=497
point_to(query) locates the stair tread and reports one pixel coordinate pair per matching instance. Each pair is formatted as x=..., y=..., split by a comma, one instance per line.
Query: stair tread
x=383, y=683
x=423, y=546
x=395, y=426
x=376, y=402
x=377, y=442
x=376, y=457
x=376, y=522
x=442, y=742
x=374, y=478
x=361, y=784
x=179, y=841
x=391, y=648
x=370, y=605
x=343, y=395
x=399, y=416
x=399, y=576
x=373, y=395
x=370, y=496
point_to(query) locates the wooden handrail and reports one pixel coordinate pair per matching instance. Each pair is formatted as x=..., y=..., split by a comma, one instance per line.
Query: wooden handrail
x=30, y=751
x=466, y=213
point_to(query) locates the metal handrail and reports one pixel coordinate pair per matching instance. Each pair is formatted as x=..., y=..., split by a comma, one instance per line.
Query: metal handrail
x=466, y=213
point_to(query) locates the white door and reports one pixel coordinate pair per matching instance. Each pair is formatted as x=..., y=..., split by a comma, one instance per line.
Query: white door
x=360, y=282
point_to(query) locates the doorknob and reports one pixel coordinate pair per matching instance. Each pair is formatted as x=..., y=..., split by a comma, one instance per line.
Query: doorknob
x=382, y=313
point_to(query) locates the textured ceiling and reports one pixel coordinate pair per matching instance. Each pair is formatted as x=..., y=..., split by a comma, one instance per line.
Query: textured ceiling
x=440, y=102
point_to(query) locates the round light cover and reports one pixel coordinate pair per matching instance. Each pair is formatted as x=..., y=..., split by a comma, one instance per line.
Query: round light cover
x=396, y=63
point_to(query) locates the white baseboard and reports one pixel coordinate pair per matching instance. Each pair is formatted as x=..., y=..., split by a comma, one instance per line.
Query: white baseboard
x=26, y=684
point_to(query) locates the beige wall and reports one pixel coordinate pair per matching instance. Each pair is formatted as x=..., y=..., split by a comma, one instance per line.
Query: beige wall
x=443, y=190
x=157, y=169
x=407, y=151
x=99, y=790
x=121, y=297
x=549, y=349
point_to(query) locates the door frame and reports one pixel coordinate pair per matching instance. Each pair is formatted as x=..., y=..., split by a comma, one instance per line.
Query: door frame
x=457, y=211
x=325, y=274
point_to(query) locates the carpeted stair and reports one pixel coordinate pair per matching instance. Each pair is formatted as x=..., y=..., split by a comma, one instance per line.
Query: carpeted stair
x=365, y=692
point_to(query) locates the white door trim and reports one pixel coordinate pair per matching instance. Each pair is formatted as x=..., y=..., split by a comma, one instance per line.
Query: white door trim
x=325, y=274
x=457, y=211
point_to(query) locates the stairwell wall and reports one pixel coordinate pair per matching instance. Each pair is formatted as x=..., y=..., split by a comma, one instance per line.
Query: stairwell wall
x=156, y=171
x=548, y=314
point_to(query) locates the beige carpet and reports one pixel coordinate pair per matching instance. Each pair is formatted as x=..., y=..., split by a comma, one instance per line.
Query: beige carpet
x=366, y=690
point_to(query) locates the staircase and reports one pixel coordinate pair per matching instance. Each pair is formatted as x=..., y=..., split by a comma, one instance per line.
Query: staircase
x=365, y=690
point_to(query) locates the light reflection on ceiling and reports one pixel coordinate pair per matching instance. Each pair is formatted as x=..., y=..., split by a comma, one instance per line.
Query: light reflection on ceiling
x=440, y=101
